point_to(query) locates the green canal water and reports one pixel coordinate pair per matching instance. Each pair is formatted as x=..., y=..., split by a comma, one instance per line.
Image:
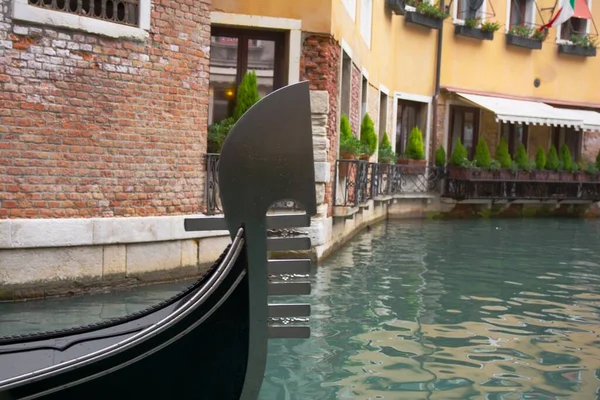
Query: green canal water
x=488, y=309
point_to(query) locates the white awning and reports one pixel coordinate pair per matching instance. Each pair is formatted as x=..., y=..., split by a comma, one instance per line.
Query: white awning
x=524, y=112
x=591, y=119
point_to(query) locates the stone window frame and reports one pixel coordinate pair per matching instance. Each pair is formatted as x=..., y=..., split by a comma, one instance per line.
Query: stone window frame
x=481, y=13
x=22, y=11
x=530, y=14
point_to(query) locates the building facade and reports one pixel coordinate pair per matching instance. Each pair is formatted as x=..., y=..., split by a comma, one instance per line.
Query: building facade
x=106, y=107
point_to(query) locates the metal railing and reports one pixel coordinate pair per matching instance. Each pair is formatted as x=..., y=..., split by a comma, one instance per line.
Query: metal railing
x=212, y=197
x=357, y=182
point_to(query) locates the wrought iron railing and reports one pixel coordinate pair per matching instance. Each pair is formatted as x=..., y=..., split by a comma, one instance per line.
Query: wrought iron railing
x=358, y=181
x=212, y=198
x=465, y=183
x=124, y=12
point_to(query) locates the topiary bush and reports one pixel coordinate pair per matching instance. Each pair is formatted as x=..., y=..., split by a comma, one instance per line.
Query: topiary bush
x=483, y=158
x=415, y=148
x=385, y=153
x=349, y=144
x=565, y=157
x=540, y=158
x=440, y=156
x=502, y=154
x=459, y=154
x=368, y=137
x=552, y=162
x=521, y=157
x=247, y=94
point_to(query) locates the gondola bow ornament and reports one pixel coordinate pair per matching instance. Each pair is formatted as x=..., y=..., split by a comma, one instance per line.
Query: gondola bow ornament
x=210, y=340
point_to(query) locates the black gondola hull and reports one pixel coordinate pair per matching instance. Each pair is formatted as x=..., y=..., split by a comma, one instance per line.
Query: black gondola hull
x=202, y=356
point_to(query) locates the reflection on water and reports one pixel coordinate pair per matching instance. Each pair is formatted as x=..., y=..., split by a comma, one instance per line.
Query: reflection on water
x=421, y=310
x=451, y=310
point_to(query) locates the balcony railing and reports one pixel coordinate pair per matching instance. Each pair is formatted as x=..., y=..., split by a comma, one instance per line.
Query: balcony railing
x=468, y=183
x=212, y=197
x=360, y=181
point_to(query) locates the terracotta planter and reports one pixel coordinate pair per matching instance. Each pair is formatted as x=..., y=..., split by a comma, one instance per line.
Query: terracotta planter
x=580, y=176
x=455, y=172
x=552, y=176
x=343, y=166
x=365, y=157
x=504, y=175
x=566, y=176
x=483, y=174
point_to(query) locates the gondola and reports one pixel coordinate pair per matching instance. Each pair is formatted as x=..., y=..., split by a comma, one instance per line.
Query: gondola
x=210, y=340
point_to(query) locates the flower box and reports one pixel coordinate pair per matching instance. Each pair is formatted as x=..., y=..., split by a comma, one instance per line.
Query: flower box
x=417, y=18
x=476, y=33
x=525, y=42
x=577, y=50
x=397, y=6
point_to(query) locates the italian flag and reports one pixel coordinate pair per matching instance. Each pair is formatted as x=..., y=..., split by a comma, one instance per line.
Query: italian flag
x=566, y=11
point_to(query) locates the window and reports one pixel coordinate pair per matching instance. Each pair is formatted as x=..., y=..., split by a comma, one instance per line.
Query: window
x=364, y=105
x=466, y=9
x=569, y=136
x=365, y=20
x=383, y=108
x=350, y=7
x=522, y=13
x=464, y=125
x=409, y=115
x=515, y=134
x=233, y=52
x=346, y=83
x=114, y=18
x=578, y=24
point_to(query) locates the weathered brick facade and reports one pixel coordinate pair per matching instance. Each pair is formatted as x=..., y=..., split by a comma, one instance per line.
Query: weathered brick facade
x=92, y=126
x=355, y=84
x=320, y=65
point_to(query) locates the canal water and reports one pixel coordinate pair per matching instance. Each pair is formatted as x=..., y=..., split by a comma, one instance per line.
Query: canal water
x=487, y=309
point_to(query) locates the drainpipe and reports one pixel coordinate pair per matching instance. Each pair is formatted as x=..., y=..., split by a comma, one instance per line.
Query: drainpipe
x=438, y=68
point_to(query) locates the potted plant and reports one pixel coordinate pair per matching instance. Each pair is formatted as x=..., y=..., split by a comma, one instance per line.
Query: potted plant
x=415, y=149
x=552, y=165
x=459, y=164
x=473, y=27
x=503, y=157
x=527, y=37
x=440, y=157
x=368, y=137
x=483, y=160
x=540, y=164
x=579, y=45
x=385, y=154
x=425, y=14
x=523, y=163
x=566, y=163
x=349, y=146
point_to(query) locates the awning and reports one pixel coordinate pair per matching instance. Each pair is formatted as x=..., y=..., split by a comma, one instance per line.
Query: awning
x=582, y=10
x=524, y=112
x=591, y=119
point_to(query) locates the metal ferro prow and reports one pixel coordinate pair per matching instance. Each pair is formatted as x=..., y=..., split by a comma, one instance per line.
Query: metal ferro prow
x=268, y=157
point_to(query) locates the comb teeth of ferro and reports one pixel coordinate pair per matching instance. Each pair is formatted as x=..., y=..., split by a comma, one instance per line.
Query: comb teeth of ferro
x=287, y=277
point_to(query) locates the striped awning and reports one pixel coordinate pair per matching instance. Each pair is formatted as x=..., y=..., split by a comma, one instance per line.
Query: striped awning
x=591, y=119
x=524, y=112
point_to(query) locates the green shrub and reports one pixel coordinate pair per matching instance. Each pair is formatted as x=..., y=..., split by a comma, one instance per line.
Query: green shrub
x=217, y=133
x=349, y=144
x=521, y=157
x=415, y=148
x=385, y=153
x=459, y=154
x=502, y=154
x=540, y=158
x=368, y=137
x=565, y=157
x=247, y=94
x=552, y=162
x=598, y=160
x=440, y=156
x=483, y=158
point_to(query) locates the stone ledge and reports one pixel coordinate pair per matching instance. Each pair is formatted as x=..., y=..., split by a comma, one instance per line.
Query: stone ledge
x=29, y=233
x=414, y=196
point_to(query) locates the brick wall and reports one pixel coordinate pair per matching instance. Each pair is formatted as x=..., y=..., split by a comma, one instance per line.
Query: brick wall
x=591, y=145
x=320, y=65
x=91, y=126
x=355, y=99
x=438, y=130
